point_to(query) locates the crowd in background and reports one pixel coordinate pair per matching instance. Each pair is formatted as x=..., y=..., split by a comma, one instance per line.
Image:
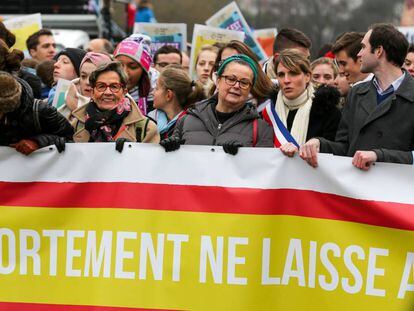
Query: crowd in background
x=355, y=99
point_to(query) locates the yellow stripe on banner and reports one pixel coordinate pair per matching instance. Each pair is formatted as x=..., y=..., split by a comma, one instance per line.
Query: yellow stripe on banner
x=202, y=261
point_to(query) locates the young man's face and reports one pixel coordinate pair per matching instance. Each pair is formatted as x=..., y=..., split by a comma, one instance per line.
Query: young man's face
x=351, y=68
x=163, y=60
x=45, y=50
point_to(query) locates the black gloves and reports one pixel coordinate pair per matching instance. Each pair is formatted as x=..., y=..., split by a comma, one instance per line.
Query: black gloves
x=172, y=143
x=60, y=143
x=119, y=144
x=232, y=147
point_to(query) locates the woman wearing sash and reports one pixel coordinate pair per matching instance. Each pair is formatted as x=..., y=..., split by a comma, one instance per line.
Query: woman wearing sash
x=300, y=112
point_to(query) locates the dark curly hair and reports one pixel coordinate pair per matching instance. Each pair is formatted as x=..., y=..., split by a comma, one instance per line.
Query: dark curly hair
x=7, y=36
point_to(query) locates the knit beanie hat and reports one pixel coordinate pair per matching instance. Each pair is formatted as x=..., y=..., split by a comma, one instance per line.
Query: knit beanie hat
x=10, y=92
x=75, y=56
x=96, y=59
x=137, y=47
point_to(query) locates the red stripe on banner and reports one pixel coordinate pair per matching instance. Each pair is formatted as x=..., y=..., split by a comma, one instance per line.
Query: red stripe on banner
x=20, y=306
x=209, y=199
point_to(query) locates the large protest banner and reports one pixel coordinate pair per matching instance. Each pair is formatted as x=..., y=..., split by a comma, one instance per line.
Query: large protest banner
x=230, y=17
x=206, y=35
x=22, y=27
x=161, y=34
x=198, y=229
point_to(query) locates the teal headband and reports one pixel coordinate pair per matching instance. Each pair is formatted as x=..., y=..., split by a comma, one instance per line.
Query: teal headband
x=239, y=57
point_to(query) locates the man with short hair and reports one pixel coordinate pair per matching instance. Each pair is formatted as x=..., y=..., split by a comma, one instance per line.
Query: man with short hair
x=41, y=45
x=377, y=122
x=346, y=50
x=100, y=45
x=287, y=38
x=166, y=55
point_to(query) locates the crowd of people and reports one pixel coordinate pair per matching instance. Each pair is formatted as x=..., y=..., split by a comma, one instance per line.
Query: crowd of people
x=356, y=99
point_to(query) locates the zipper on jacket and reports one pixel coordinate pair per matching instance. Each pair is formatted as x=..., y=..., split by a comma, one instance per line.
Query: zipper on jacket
x=218, y=132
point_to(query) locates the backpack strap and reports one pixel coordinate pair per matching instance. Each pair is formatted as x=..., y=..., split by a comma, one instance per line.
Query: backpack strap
x=36, y=119
x=255, y=130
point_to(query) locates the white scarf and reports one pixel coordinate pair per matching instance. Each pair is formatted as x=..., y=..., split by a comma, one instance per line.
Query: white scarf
x=303, y=103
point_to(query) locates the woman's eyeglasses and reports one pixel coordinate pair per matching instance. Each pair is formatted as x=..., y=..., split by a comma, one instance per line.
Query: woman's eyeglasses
x=232, y=80
x=113, y=87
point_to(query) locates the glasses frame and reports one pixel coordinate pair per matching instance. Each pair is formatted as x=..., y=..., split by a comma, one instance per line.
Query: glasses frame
x=240, y=81
x=109, y=86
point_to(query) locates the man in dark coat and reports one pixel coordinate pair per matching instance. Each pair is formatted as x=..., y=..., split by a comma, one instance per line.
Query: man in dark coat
x=377, y=122
x=26, y=124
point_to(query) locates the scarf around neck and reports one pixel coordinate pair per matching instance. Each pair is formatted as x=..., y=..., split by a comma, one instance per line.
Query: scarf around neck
x=104, y=125
x=303, y=104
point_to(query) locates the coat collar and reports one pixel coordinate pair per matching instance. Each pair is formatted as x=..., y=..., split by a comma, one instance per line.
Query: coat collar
x=405, y=90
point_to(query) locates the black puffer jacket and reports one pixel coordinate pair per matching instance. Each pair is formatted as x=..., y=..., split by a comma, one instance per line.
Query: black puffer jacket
x=201, y=127
x=20, y=124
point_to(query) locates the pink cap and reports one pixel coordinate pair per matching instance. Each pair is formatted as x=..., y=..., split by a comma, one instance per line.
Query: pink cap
x=138, y=51
x=96, y=59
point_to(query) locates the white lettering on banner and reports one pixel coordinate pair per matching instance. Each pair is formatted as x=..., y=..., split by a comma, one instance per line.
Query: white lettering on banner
x=346, y=284
x=408, y=270
x=53, y=235
x=177, y=239
x=104, y=254
x=71, y=252
x=294, y=253
x=11, y=242
x=233, y=260
x=373, y=271
x=122, y=254
x=216, y=262
x=312, y=263
x=327, y=247
x=266, y=278
x=85, y=255
x=26, y=252
x=156, y=259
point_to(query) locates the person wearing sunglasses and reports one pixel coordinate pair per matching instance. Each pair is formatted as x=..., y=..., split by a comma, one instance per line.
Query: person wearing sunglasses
x=112, y=115
x=226, y=118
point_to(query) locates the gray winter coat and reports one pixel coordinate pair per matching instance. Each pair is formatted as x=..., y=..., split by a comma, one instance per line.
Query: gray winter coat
x=387, y=128
x=200, y=127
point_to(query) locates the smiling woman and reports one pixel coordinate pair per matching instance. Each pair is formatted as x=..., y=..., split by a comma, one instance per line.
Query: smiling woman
x=112, y=115
x=225, y=119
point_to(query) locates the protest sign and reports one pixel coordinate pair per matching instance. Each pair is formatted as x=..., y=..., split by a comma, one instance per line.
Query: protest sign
x=408, y=32
x=230, y=17
x=256, y=231
x=62, y=87
x=22, y=27
x=164, y=34
x=266, y=38
x=204, y=35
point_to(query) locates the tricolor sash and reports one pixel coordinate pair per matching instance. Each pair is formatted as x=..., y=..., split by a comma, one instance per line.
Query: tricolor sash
x=281, y=133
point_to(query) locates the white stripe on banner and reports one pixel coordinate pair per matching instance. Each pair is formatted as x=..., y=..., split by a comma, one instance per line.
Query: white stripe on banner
x=261, y=168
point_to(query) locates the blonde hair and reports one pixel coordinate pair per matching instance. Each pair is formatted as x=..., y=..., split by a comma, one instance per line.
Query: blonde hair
x=206, y=47
x=176, y=79
x=326, y=61
x=293, y=60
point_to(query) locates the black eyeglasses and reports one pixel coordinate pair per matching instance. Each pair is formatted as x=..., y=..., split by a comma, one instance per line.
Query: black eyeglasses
x=113, y=87
x=232, y=80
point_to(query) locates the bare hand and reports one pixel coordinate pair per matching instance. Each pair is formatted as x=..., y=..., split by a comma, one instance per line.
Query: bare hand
x=364, y=159
x=289, y=149
x=309, y=151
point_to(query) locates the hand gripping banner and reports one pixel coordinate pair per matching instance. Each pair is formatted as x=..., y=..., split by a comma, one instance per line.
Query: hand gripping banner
x=198, y=229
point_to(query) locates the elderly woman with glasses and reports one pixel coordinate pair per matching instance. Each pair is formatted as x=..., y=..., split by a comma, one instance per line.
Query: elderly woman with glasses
x=226, y=118
x=112, y=115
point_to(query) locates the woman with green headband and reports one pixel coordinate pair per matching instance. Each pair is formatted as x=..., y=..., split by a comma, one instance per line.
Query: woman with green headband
x=225, y=119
